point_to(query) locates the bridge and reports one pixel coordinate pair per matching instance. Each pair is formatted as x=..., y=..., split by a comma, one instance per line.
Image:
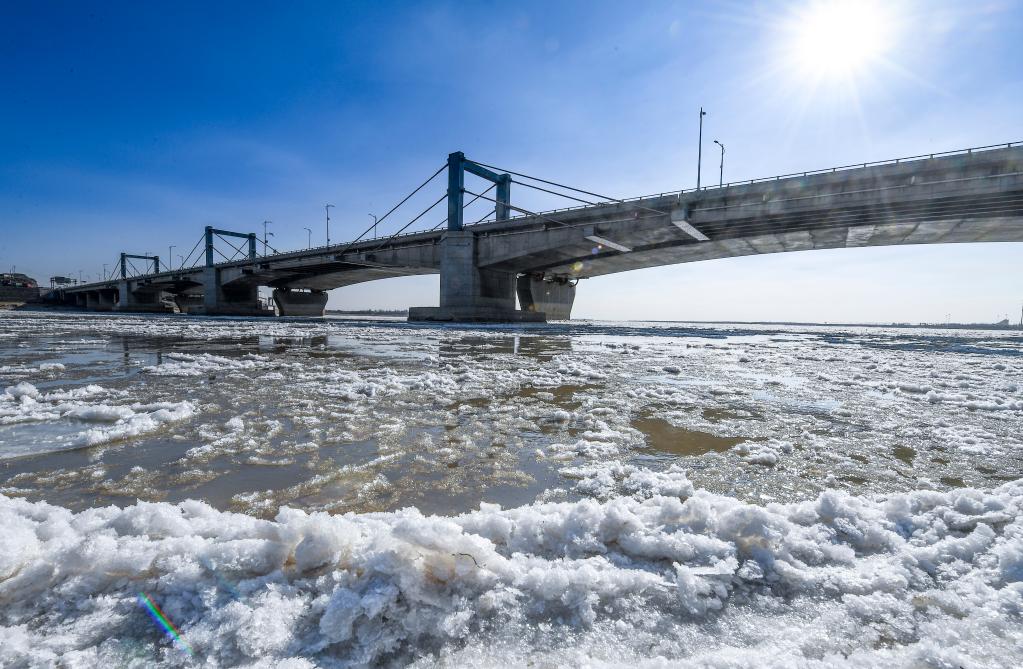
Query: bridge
x=521, y=265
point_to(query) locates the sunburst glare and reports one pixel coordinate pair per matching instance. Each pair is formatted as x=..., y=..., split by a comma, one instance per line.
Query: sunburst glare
x=838, y=40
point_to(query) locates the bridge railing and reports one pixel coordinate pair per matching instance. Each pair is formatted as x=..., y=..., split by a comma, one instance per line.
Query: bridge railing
x=676, y=193
x=826, y=170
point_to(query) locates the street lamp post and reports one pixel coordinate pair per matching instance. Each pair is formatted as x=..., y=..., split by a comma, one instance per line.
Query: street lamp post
x=182, y=264
x=721, y=173
x=170, y=256
x=327, y=208
x=104, y=271
x=699, y=150
x=374, y=225
x=265, y=235
x=310, y=242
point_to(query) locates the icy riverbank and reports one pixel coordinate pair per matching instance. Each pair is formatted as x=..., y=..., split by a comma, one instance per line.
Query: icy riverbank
x=917, y=579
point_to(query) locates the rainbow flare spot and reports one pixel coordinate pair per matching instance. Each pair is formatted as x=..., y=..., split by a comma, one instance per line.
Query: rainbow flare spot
x=163, y=621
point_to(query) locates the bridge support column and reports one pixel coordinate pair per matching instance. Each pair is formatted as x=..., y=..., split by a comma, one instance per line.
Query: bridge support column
x=552, y=298
x=99, y=300
x=469, y=293
x=227, y=300
x=188, y=303
x=300, y=303
x=129, y=299
x=107, y=300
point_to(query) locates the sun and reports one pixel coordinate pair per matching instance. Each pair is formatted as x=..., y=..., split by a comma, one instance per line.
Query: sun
x=838, y=39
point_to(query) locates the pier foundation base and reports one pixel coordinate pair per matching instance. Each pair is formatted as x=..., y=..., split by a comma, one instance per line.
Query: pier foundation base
x=300, y=303
x=552, y=297
x=469, y=293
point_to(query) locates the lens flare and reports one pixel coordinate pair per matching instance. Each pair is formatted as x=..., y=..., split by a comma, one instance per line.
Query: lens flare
x=163, y=621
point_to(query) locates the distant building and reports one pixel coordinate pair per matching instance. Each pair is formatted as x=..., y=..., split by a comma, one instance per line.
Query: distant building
x=17, y=288
x=17, y=280
x=61, y=281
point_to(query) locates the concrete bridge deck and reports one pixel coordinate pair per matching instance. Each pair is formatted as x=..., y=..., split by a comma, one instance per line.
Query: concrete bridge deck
x=973, y=196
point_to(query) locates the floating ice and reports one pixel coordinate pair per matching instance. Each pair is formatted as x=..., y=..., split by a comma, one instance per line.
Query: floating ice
x=837, y=581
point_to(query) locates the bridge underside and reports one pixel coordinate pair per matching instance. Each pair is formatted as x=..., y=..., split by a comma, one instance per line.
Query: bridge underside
x=778, y=235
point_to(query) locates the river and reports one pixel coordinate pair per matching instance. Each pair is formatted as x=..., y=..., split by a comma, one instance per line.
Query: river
x=376, y=493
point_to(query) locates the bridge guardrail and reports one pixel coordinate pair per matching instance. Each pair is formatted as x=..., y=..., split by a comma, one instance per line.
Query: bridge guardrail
x=743, y=182
x=826, y=170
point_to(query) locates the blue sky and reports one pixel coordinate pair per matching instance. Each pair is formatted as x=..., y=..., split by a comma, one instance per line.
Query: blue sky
x=130, y=126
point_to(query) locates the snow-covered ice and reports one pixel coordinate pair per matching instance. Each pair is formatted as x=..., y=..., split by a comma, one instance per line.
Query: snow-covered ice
x=591, y=494
x=915, y=579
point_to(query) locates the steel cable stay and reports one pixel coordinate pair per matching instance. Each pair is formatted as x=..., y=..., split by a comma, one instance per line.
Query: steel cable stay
x=189, y=256
x=217, y=251
x=237, y=250
x=545, y=190
x=525, y=211
x=421, y=214
x=485, y=216
x=393, y=209
x=549, y=183
x=445, y=219
x=560, y=185
x=113, y=268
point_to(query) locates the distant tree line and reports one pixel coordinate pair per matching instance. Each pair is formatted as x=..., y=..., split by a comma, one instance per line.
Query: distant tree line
x=368, y=312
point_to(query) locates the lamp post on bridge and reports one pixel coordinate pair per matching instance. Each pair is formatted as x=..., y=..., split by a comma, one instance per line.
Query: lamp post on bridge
x=181, y=265
x=374, y=225
x=170, y=256
x=104, y=271
x=699, y=150
x=327, y=209
x=309, y=231
x=265, y=235
x=721, y=173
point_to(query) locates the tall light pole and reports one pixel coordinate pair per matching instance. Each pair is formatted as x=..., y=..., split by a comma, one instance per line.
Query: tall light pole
x=327, y=208
x=721, y=173
x=310, y=242
x=265, y=234
x=170, y=257
x=182, y=265
x=699, y=150
x=104, y=271
x=374, y=225
x=80, y=277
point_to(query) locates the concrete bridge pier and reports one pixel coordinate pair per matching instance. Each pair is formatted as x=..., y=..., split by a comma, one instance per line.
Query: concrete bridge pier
x=129, y=299
x=101, y=300
x=228, y=299
x=553, y=297
x=469, y=293
x=300, y=303
x=189, y=303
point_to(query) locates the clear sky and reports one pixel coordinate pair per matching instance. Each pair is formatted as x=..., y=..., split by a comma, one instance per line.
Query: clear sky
x=130, y=126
